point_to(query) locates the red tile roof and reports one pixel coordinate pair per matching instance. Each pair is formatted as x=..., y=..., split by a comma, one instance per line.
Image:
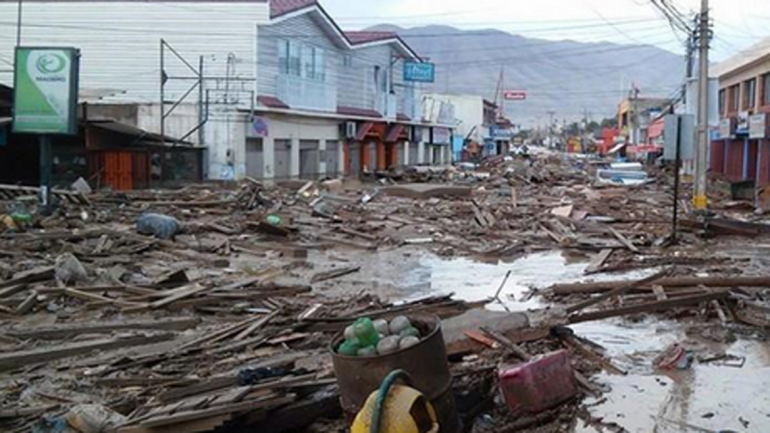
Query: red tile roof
x=364, y=37
x=396, y=132
x=283, y=7
x=361, y=112
x=272, y=102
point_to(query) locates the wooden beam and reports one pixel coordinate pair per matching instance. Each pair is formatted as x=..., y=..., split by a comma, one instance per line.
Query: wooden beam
x=605, y=286
x=620, y=290
x=13, y=360
x=649, y=307
x=255, y=326
x=32, y=276
x=246, y=406
x=53, y=333
x=28, y=304
x=623, y=240
x=598, y=261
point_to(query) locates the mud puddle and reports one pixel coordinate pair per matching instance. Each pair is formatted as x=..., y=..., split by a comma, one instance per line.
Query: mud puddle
x=707, y=397
x=476, y=281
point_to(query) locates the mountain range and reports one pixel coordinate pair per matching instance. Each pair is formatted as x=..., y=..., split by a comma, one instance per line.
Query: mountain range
x=571, y=79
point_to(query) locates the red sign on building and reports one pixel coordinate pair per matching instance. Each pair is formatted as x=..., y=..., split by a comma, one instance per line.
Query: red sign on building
x=515, y=95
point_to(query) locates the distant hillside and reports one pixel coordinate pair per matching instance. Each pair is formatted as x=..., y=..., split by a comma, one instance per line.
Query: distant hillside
x=566, y=77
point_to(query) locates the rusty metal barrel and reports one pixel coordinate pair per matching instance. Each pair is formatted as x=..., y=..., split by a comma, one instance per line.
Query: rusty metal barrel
x=425, y=362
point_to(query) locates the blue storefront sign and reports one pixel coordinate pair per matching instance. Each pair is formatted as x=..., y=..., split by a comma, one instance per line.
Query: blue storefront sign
x=500, y=134
x=419, y=72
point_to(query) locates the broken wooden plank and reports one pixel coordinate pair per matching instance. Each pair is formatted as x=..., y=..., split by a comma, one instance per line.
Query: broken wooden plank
x=255, y=326
x=624, y=240
x=573, y=343
x=191, y=415
x=334, y=273
x=174, y=279
x=31, y=276
x=348, y=242
x=12, y=290
x=618, y=291
x=13, y=360
x=367, y=236
x=58, y=332
x=145, y=381
x=598, y=261
x=649, y=307
x=194, y=289
x=720, y=312
x=660, y=292
x=270, y=229
x=27, y=304
x=671, y=282
x=86, y=296
x=563, y=211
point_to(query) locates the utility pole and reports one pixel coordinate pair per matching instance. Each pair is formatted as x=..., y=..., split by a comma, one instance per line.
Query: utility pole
x=550, y=128
x=690, y=60
x=699, y=200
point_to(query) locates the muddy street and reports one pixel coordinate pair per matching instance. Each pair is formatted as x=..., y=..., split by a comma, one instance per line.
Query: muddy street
x=561, y=303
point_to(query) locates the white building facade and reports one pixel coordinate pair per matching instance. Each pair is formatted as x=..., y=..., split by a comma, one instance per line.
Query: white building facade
x=273, y=89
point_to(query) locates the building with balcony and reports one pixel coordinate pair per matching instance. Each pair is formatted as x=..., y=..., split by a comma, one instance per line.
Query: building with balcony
x=741, y=148
x=332, y=102
x=272, y=89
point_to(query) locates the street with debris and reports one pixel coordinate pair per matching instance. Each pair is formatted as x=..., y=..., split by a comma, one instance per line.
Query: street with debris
x=227, y=321
x=317, y=216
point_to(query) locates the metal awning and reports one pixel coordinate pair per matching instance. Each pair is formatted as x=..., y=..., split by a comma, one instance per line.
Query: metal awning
x=142, y=137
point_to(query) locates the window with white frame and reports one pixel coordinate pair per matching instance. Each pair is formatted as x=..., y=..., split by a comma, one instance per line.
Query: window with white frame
x=289, y=61
x=301, y=60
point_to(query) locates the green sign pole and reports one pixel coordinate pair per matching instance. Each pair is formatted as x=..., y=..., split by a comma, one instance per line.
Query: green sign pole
x=45, y=102
x=46, y=162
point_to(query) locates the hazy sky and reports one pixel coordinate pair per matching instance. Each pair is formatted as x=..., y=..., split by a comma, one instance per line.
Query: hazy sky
x=738, y=23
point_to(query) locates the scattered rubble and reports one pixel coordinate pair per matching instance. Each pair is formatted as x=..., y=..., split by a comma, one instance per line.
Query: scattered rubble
x=214, y=306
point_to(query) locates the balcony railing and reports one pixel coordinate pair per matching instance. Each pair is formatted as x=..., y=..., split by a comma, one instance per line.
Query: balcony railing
x=387, y=105
x=307, y=94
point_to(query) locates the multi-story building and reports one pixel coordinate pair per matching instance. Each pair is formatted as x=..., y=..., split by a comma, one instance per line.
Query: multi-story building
x=741, y=149
x=636, y=113
x=477, y=123
x=271, y=88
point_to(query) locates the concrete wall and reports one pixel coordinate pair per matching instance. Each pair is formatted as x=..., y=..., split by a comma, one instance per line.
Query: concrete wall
x=182, y=120
x=225, y=137
x=310, y=134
